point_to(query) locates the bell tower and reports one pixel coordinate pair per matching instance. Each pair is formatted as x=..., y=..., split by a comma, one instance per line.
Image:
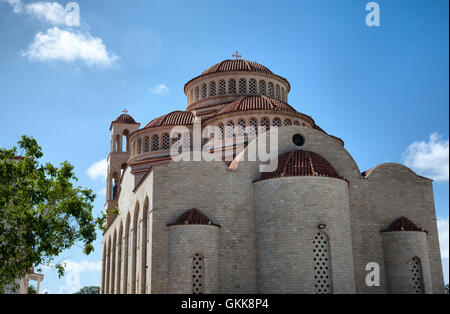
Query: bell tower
x=120, y=129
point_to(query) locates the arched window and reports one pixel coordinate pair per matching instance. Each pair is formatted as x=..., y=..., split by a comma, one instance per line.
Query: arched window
x=252, y=87
x=134, y=251
x=287, y=122
x=222, y=88
x=126, y=254
x=212, y=89
x=204, y=91
x=276, y=122
x=197, y=93
x=155, y=143
x=176, y=137
x=198, y=278
x=265, y=123
x=242, y=86
x=144, y=248
x=166, y=141
x=186, y=141
x=232, y=87
x=139, y=148
x=262, y=88
x=296, y=122
x=277, y=91
x=221, y=134
x=192, y=96
x=417, y=276
x=322, y=271
x=241, y=127
x=270, y=89
x=119, y=259
x=230, y=129
x=283, y=94
x=146, y=144
x=253, y=127
x=113, y=262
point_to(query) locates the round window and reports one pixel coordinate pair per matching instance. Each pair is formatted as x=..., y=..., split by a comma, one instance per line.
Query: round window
x=298, y=140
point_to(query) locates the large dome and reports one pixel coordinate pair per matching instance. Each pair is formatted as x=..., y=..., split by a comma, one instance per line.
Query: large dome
x=301, y=163
x=172, y=119
x=237, y=65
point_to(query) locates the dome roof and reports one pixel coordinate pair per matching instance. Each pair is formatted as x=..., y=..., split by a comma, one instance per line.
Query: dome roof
x=302, y=163
x=237, y=65
x=403, y=224
x=240, y=65
x=193, y=217
x=173, y=118
x=125, y=119
x=256, y=103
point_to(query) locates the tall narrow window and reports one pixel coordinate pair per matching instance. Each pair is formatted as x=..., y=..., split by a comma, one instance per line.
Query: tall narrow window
x=155, y=143
x=139, y=148
x=232, y=87
x=166, y=141
x=241, y=127
x=230, y=129
x=262, y=88
x=197, y=93
x=146, y=144
x=222, y=88
x=212, y=89
x=417, y=276
x=277, y=91
x=204, y=91
x=252, y=87
x=270, y=89
x=242, y=86
x=265, y=123
x=322, y=271
x=253, y=127
x=198, y=273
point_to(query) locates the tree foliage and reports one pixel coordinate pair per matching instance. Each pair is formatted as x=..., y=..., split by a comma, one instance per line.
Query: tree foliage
x=89, y=290
x=42, y=213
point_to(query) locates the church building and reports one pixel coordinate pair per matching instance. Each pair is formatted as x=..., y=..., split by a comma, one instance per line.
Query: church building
x=314, y=224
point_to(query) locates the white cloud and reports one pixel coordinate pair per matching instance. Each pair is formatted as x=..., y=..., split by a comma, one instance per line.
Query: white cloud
x=15, y=4
x=58, y=44
x=429, y=158
x=72, y=277
x=98, y=170
x=160, y=89
x=442, y=224
x=51, y=12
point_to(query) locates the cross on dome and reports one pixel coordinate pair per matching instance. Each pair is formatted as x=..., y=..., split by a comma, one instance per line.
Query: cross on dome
x=236, y=55
x=125, y=111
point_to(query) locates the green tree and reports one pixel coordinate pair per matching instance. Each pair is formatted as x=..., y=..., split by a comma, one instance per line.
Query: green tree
x=32, y=290
x=446, y=289
x=42, y=213
x=89, y=290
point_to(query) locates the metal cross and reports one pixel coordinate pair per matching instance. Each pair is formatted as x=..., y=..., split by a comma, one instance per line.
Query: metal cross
x=125, y=110
x=236, y=55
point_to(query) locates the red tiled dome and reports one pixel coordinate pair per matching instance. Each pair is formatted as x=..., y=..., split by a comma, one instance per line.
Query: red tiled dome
x=193, y=217
x=256, y=103
x=237, y=65
x=302, y=163
x=125, y=119
x=403, y=224
x=173, y=118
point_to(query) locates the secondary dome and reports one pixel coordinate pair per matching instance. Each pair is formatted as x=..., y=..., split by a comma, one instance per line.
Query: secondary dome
x=302, y=163
x=193, y=217
x=125, y=119
x=256, y=103
x=237, y=65
x=173, y=118
x=403, y=224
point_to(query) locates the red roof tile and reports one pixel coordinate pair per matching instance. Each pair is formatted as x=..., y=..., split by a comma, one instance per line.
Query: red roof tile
x=173, y=118
x=193, y=217
x=125, y=119
x=301, y=163
x=237, y=65
x=403, y=224
x=256, y=103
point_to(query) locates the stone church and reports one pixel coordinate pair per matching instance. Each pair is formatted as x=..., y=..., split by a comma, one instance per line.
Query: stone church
x=315, y=223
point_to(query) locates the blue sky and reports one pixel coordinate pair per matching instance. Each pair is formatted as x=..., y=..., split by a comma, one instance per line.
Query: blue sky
x=383, y=90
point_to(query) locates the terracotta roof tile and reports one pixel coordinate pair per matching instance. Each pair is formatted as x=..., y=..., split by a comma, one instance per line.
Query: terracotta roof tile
x=301, y=163
x=403, y=224
x=193, y=217
x=237, y=65
x=256, y=103
x=173, y=118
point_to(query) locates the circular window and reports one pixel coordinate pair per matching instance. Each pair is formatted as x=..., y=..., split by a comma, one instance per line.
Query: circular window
x=298, y=140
